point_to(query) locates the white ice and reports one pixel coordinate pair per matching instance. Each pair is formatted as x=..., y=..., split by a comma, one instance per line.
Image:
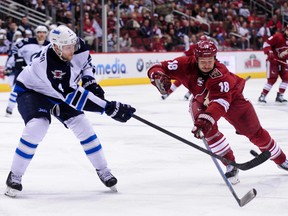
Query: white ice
x=157, y=174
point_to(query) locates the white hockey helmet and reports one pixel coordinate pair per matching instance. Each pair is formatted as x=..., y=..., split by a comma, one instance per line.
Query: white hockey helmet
x=17, y=35
x=3, y=31
x=41, y=28
x=62, y=36
x=28, y=33
x=2, y=37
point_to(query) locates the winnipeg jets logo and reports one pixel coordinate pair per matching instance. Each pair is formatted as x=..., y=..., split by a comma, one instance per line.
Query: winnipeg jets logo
x=200, y=81
x=58, y=74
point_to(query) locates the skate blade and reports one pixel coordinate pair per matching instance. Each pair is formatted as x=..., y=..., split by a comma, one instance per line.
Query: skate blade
x=282, y=167
x=234, y=180
x=164, y=97
x=8, y=115
x=114, y=189
x=10, y=192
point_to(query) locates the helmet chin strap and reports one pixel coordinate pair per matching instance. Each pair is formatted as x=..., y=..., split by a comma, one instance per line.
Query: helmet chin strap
x=58, y=52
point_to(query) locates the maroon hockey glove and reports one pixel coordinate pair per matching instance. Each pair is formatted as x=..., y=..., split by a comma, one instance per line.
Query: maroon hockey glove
x=203, y=124
x=161, y=81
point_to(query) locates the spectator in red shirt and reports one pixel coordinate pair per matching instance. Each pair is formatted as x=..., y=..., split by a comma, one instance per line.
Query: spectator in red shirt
x=89, y=32
x=274, y=24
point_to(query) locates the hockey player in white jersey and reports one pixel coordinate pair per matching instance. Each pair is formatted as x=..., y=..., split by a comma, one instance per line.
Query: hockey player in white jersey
x=22, y=53
x=49, y=85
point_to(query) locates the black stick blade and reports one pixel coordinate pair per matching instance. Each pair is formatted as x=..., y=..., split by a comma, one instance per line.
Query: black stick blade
x=247, y=197
x=259, y=159
x=254, y=153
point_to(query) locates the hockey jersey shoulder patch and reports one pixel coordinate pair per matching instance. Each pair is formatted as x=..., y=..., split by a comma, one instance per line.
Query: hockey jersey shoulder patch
x=215, y=73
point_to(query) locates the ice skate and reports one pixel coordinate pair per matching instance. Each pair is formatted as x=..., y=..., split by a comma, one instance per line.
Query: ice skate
x=107, y=178
x=164, y=96
x=261, y=99
x=232, y=174
x=280, y=98
x=284, y=165
x=14, y=185
x=8, y=112
x=187, y=95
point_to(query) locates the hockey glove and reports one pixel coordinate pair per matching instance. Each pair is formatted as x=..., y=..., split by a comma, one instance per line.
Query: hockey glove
x=118, y=111
x=161, y=81
x=203, y=124
x=90, y=84
x=7, y=71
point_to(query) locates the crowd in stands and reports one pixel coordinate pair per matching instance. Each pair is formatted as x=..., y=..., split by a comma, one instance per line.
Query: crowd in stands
x=162, y=25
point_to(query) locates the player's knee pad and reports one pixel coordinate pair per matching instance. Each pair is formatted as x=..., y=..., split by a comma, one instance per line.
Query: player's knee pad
x=80, y=126
x=35, y=130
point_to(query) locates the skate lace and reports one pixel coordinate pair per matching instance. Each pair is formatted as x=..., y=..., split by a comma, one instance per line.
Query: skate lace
x=285, y=164
x=16, y=178
x=262, y=97
x=105, y=175
x=229, y=168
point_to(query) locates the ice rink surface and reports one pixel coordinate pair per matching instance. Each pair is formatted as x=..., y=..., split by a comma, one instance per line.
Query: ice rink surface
x=157, y=174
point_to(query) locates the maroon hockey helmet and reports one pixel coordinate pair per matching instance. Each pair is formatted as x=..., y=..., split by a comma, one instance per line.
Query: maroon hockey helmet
x=205, y=49
x=203, y=38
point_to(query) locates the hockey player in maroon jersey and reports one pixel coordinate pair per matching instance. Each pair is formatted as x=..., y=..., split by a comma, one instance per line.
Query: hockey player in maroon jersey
x=276, y=49
x=216, y=93
x=176, y=83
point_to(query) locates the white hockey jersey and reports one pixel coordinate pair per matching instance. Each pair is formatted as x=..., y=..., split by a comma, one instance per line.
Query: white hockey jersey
x=26, y=48
x=49, y=75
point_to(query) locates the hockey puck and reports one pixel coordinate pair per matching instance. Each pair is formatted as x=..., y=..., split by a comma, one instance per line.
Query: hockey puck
x=254, y=153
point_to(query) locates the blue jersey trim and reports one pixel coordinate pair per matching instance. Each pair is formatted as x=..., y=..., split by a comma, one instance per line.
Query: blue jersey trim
x=70, y=97
x=18, y=89
x=82, y=100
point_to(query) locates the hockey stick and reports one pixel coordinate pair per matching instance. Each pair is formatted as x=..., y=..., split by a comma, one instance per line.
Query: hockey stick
x=247, y=197
x=282, y=62
x=243, y=166
x=254, y=153
x=247, y=78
